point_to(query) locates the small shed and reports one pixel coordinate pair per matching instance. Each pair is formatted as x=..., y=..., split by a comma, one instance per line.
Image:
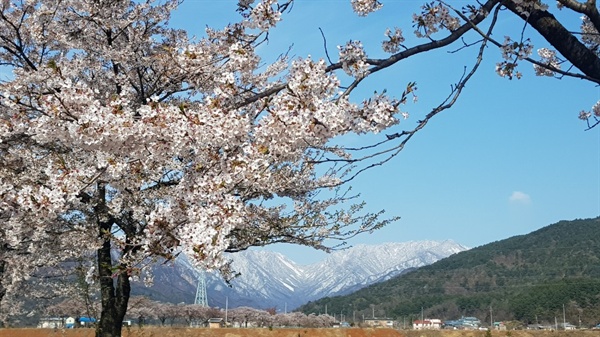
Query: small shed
x=69, y=322
x=215, y=323
x=499, y=326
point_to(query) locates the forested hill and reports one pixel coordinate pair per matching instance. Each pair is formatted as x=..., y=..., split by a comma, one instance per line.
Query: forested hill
x=526, y=278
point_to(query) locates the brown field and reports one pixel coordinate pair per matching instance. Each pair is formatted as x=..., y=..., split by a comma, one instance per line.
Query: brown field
x=351, y=332
x=200, y=332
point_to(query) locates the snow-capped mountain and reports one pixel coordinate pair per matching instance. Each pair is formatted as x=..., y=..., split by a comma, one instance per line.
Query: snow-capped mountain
x=268, y=279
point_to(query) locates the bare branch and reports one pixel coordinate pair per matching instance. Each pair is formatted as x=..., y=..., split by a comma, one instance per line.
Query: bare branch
x=325, y=46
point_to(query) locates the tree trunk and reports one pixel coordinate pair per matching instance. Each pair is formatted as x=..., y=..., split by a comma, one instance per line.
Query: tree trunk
x=114, y=295
x=2, y=288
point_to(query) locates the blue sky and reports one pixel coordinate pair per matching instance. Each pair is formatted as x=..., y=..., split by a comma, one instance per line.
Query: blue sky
x=509, y=158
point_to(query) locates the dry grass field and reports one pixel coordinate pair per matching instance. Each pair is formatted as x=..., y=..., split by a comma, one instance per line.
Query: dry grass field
x=351, y=332
x=199, y=332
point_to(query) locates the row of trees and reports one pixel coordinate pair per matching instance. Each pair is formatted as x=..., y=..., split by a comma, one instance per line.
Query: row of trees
x=120, y=133
x=144, y=311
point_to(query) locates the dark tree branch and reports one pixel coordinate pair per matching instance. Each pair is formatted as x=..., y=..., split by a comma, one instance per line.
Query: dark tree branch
x=560, y=38
x=588, y=8
x=487, y=36
x=380, y=64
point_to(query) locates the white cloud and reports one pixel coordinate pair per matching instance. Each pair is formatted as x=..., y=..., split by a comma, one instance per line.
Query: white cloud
x=518, y=197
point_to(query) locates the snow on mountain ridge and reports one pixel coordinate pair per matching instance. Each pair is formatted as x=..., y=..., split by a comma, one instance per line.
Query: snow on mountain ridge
x=272, y=280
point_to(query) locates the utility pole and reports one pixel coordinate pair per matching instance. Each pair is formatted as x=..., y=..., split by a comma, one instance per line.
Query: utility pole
x=564, y=318
x=491, y=318
x=226, y=307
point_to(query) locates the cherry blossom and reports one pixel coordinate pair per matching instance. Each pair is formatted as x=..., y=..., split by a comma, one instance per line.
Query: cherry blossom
x=395, y=39
x=365, y=7
x=550, y=61
x=594, y=112
x=264, y=15
x=512, y=53
x=525, y=6
x=433, y=18
x=590, y=34
x=353, y=56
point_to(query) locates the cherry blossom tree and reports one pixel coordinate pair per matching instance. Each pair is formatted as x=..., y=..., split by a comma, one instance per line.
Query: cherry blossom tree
x=125, y=137
x=264, y=319
x=162, y=311
x=71, y=307
x=250, y=317
x=120, y=134
x=142, y=309
x=170, y=312
x=193, y=313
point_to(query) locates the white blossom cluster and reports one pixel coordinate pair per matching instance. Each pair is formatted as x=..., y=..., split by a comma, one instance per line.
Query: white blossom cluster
x=512, y=53
x=394, y=41
x=520, y=50
x=365, y=7
x=590, y=35
x=264, y=15
x=548, y=58
x=585, y=115
x=433, y=18
x=353, y=58
x=526, y=6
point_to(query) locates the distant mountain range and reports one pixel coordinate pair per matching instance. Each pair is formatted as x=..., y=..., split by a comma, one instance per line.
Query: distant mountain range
x=534, y=278
x=271, y=280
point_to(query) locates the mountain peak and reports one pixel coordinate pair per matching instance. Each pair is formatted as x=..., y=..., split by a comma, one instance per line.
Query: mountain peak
x=270, y=279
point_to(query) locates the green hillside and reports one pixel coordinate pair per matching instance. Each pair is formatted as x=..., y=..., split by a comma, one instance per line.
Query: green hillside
x=526, y=278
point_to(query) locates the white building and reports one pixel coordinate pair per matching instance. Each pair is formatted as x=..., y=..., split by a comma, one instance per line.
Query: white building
x=51, y=323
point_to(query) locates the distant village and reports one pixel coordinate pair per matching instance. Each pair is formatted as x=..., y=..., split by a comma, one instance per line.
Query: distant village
x=252, y=318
